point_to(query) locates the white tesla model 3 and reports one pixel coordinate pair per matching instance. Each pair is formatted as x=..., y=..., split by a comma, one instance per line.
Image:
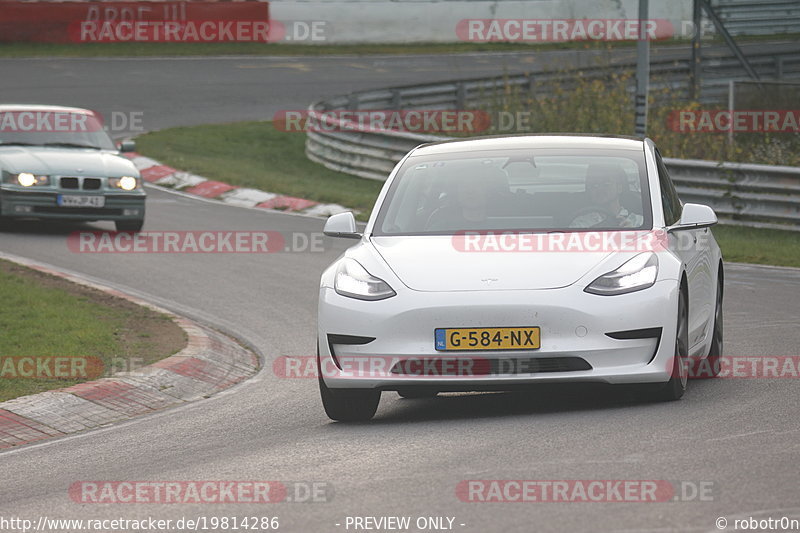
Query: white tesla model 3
x=498, y=262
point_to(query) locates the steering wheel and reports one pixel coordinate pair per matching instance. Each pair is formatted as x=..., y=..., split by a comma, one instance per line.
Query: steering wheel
x=432, y=217
x=606, y=214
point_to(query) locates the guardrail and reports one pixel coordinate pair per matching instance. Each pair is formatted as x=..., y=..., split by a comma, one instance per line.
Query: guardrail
x=745, y=194
x=759, y=17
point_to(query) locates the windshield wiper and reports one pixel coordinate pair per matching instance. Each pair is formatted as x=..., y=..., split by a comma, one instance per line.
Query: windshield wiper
x=13, y=143
x=72, y=145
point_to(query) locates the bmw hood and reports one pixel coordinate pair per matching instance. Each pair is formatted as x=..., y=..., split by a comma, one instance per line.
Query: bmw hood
x=443, y=263
x=65, y=162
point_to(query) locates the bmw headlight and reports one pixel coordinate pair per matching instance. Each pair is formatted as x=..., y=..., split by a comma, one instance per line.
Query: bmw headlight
x=637, y=273
x=353, y=280
x=126, y=183
x=27, y=179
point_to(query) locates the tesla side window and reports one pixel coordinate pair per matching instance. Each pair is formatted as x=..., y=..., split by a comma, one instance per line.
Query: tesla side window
x=669, y=196
x=518, y=190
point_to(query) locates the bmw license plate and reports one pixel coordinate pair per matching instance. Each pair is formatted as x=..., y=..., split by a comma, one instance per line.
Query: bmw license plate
x=67, y=200
x=518, y=338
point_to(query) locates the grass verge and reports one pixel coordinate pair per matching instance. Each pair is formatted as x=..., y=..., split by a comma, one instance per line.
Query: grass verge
x=44, y=316
x=759, y=246
x=254, y=154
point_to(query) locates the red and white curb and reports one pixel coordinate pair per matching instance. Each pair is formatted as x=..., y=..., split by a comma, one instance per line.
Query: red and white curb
x=154, y=172
x=210, y=363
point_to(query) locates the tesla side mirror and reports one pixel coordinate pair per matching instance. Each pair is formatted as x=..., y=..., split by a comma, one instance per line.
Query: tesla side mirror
x=127, y=146
x=695, y=216
x=342, y=225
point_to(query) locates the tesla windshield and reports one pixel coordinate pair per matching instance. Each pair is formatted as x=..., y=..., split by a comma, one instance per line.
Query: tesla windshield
x=518, y=190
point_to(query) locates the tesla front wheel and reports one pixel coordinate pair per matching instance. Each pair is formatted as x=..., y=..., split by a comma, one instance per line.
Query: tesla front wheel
x=715, y=353
x=349, y=405
x=676, y=386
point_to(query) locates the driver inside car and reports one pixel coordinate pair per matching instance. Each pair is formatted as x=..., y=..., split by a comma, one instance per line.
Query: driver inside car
x=605, y=184
x=469, y=210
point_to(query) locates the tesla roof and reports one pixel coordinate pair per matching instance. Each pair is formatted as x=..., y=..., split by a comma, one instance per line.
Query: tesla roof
x=507, y=142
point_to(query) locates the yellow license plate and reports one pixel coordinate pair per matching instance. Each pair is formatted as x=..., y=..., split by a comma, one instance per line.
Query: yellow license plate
x=521, y=338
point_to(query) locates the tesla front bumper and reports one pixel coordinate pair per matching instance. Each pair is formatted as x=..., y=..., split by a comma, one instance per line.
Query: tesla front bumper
x=389, y=344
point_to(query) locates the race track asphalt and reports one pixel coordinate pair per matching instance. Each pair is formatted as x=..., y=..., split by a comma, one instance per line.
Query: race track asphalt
x=740, y=435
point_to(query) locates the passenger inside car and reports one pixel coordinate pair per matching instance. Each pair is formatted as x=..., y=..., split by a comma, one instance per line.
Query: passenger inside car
x=607, y=194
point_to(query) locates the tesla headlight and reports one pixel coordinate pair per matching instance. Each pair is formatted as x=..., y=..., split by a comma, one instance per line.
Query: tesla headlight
x=637, y=273
x=126, y=183
x=27, y=179
x=352, y=280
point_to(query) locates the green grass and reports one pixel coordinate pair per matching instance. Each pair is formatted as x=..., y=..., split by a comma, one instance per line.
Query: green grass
x=44, y=316
x=760, y=246
x=254, y=154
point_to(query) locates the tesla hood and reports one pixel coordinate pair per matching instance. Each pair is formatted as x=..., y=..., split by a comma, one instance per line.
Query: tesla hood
x=438, y=263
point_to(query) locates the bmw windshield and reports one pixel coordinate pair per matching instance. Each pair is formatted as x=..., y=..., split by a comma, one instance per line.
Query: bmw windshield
x=53, y=128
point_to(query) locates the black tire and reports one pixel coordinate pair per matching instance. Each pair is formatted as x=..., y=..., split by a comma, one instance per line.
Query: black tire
x=414, y=394
x=713, y=363
x=676, y=386
x=347, y=405
x=129, y=225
